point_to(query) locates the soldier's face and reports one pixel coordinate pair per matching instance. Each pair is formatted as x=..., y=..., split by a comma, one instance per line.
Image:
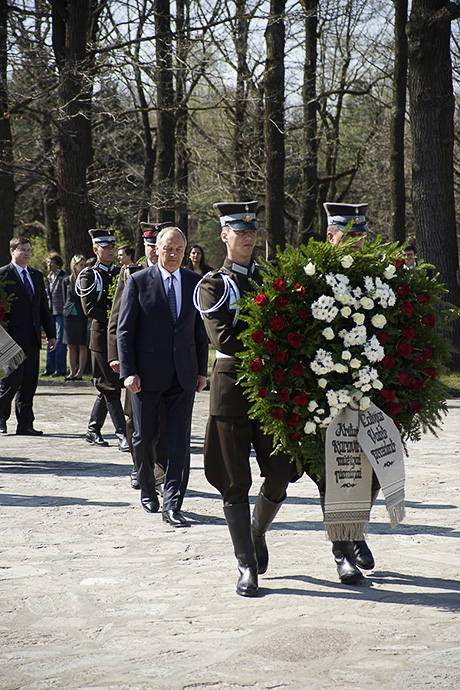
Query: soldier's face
x=105, y=255
x=240, y=245
x=151, y=252
x=337, y=238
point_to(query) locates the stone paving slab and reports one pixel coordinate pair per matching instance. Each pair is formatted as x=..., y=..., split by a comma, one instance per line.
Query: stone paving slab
x=96, y=594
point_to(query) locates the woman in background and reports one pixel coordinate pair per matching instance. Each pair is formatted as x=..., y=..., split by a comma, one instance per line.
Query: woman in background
x=75, y=321
x=196, y=260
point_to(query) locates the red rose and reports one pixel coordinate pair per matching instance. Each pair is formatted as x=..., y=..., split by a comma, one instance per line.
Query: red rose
x=258, y=336
x=430, y=372
x=304, y=314
x=297, y=369
x=294, y=339
x=382, y=337
x=281, y=357
x=395, y=407
x=284, y=395
x=278, y=323
x=423, y=297
x=387, y=394
x=295, y=436
x=416, y=382
x=408, y=333
x=405, y=349
x=270, y=346
x=2, y=313
x=420, y=358
x=262, y=299
x=407, y=308
x=277, y=412
x=301, y=398
x=281, y=302
x=294, y=419
x=279, y=375
x=299, y=290
x=257, y=364
x=279, y=285
x=404, y=378
x=428, y=320
x=403, y=290
x=388, y=362
x=263, y=392
x=414, y=406
x=399, y=263
x=428, y=352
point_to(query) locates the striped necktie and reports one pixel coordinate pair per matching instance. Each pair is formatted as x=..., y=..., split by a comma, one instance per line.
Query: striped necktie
x=27, y=285
x=172, y=298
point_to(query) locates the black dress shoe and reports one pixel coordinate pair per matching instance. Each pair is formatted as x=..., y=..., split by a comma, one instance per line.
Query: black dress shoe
x=344, y=555
x=95, y=438
x=28, y=431
x=363, y=555
x=2, y=426
x=150, y=503
x=174, y=518
x=134, y=480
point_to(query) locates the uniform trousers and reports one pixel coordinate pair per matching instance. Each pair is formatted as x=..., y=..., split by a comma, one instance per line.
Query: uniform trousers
x=227, y=460
x=107, y=382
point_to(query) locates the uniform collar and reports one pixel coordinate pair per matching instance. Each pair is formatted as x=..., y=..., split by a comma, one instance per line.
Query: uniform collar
x=238, y=268
x=103, y=267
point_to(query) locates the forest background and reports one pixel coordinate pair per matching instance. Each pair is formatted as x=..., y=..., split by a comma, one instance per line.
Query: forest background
x=113, y=112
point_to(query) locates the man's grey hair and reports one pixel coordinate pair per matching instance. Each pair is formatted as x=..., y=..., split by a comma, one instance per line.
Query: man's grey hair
x=163, y=231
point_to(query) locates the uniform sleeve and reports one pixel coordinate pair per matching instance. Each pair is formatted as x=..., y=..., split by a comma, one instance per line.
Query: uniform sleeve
x=112, y=349
x=89, y=300
x=219, y=324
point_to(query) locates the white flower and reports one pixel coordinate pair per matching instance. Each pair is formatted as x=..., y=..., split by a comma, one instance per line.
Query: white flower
x=345, y=311
x=355, y=363
x=367, y=302
x=358, y=318
x=346, y=354
x=389, y=272
x=312, y=405
x=310, y=428
x=340, y=368
x=310, y=269
x=324, y=308
x=347, y=261
x=364, y=403
x=328, y=333
x=333, y=412
x=373, y=350
x=366, y=387
x=322, y=383
x=357, y=336
x=378, y=320
x=323, y=362
x=378, y=385
x=320, y=411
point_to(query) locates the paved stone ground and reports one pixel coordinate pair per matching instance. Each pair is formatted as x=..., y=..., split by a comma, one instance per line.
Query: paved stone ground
x=95, y=594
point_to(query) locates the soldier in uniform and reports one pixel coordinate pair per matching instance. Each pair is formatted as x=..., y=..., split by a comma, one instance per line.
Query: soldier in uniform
x=230, y=432
x=160, y=451
x=93, y=287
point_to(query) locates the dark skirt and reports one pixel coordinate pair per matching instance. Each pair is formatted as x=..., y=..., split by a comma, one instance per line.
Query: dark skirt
x=75, y=330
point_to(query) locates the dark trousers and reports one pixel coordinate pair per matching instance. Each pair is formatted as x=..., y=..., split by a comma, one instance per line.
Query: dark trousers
x=22, y=383
x=146, y=415
x=227, y=451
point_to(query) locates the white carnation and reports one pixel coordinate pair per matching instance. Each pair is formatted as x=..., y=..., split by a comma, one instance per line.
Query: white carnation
x=345, y=311
x=367, y=302
x=378, y=321
x=328, y=333
x=358, y=318
x=347, y=261
x=310, y=428
x=389, y=272
x=364, y=403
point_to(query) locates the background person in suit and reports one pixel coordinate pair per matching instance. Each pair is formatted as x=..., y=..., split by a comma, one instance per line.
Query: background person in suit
x=163, y=353
x=29, y=313
x=56, y=360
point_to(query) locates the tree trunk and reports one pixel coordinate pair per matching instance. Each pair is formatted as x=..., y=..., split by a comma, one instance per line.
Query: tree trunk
x=240, y=139
x=6, y=147
x=397, y=123
x=431, y=111
x=309, y=186
x=274, y=128
x=182, y=152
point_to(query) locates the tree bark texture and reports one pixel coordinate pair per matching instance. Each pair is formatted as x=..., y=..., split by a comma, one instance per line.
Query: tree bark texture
x=6, y=149
x=182, y=152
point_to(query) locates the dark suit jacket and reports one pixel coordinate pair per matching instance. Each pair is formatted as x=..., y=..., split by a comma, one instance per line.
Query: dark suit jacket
x=25, y=319
x=149, y=344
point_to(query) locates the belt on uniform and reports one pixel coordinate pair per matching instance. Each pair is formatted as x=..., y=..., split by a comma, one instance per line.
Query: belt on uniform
x=221, y=355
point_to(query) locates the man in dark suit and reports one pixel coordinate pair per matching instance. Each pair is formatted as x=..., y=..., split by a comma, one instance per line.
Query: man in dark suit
x=163, y=353
x=29, y=313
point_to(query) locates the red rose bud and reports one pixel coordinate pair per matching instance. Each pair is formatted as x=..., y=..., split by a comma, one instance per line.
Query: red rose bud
x=279, y=375
x=284, y=395
x=388, y=362
x=299, y=289
x=430, y=372
x=297, y=369
x=294, y=339
x=304, y=314
x=279, y=285
x=382, y=337
x=420, y=358
x=414, y=406
x=407, y=308
x=281, y=302
x=262, y=299
x=270, y=346
x=258, y=336
x=387, y=394
x=257, y=364
x=281, y=357
x=404, y=378
x=423, y=297
x=408, y=333
x=416, y=382
x=405, y=349
x=263, y=392
x=277, y=412
x=301, y=398
x=395, y=407
x=399, y=263
x=428, y=320
x=278, y=323
x=295, y=436
x=428, y=352
x=403, y=290
x=294, y=419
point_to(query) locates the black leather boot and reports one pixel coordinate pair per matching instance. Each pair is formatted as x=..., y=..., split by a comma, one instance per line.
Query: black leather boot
x=262, y=517
x=96, y=422
x=344, y=556
x=363, y=554
x=239, y=525
x=118, y=419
